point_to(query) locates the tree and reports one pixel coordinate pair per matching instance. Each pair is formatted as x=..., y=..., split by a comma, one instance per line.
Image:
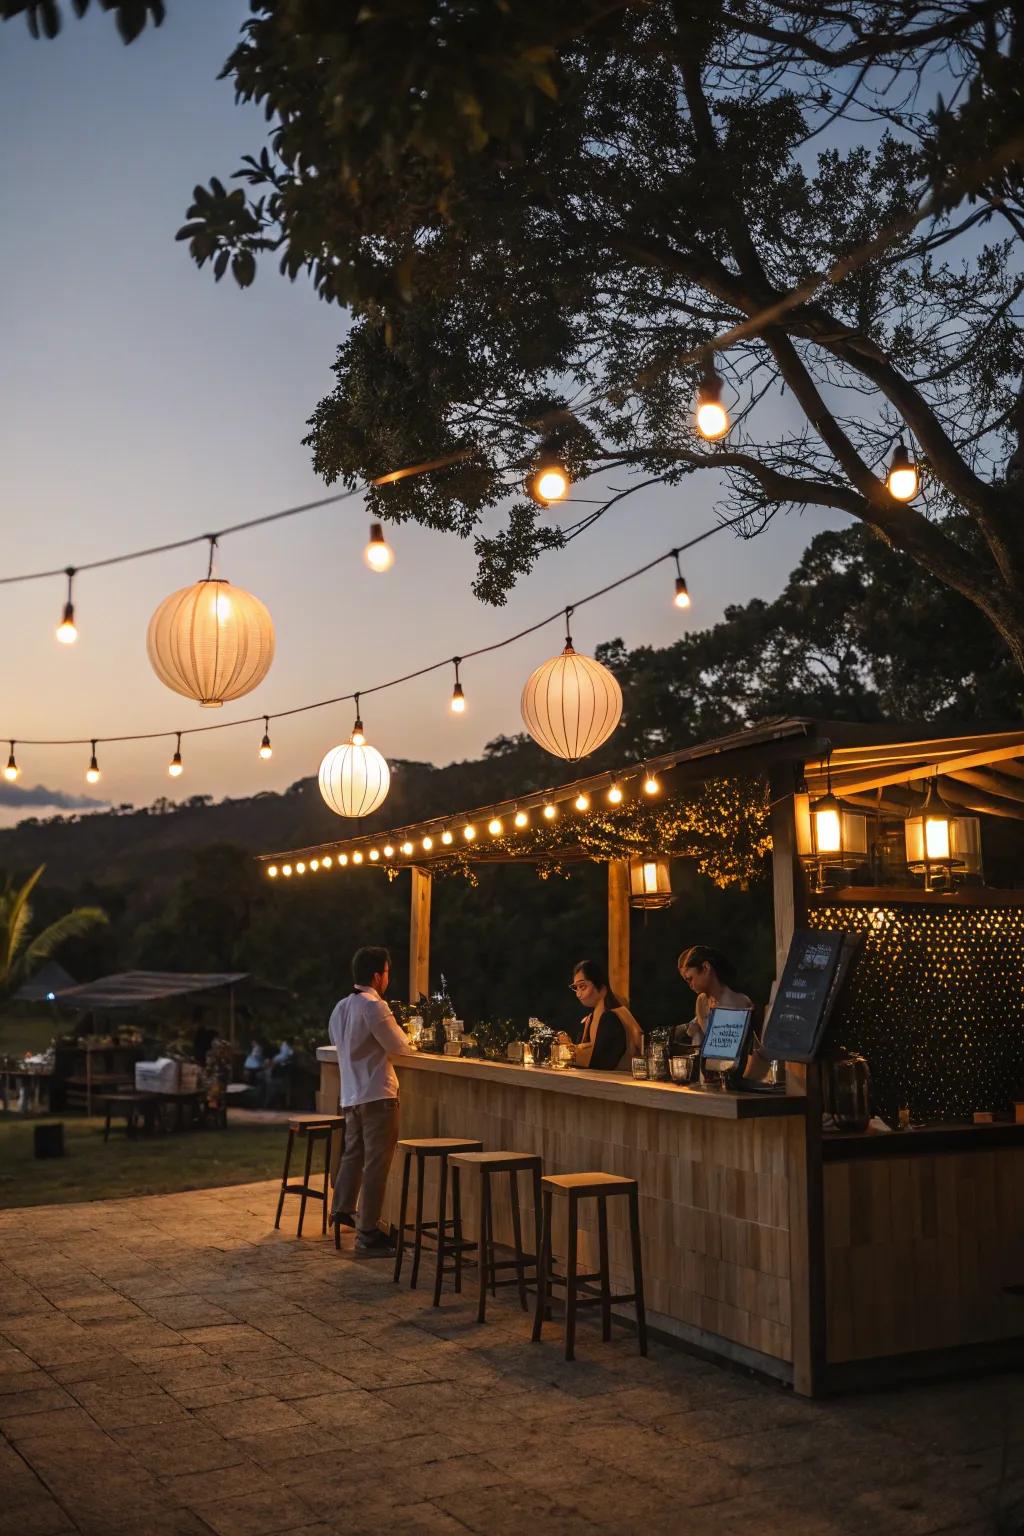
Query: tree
x=19, y=956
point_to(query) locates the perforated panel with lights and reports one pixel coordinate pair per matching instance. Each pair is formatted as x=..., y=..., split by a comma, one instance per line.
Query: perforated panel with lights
x=935, y=1001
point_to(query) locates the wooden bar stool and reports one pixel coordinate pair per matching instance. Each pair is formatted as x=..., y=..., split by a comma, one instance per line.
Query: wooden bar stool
x=486, y=1164
x=421, y=1148
x=582, y=1186
x=315, y=1128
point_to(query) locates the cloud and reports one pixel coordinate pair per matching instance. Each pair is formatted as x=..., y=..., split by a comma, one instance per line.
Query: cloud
x=22, y=799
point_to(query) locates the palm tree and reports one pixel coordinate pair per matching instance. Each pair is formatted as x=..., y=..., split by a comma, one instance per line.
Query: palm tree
x=18, y=956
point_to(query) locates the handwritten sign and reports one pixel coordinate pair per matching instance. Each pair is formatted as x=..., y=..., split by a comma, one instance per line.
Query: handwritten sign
x=725, y=1042
x=815, y=969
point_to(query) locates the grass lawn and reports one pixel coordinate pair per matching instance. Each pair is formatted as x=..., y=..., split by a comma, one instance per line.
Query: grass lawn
x=152, y=1165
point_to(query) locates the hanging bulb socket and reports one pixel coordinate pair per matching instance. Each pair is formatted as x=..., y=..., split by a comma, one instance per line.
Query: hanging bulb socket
x=358, y=734
x=266, y=750
x=458, y=705
x=711, y=415
x=176, y=767
x=549, y=480
x=903, y=480
x=378, y=553
x=92, y=773
x=681, y=598
x=67, y=632
x=12, y=771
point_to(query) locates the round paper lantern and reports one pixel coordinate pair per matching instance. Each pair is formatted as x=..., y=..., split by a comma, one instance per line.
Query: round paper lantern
x=354, y=780
x=211, y=642
x=571, y=705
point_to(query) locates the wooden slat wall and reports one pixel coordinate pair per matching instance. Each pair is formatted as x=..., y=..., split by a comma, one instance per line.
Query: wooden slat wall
x=918, y=1251
x=715, y=1199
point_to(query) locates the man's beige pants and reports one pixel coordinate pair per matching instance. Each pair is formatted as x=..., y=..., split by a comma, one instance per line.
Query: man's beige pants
x=371, y=1134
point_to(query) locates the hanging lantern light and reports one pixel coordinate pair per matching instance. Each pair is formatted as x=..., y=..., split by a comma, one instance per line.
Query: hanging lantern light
x=548, y=480
x=67, y=632
x=571, y=704
x=828, y=834
x=211, y=642
x=378, y=553
x=942, y=845
x=354, y=778
x=712, y=416
x=903, y=480
x=176, y=767
x=458, y=705
x=582, y=801
x=92, y=773
x=266, y=750
x=11, y=771
x=650, y=885
x=682, y=592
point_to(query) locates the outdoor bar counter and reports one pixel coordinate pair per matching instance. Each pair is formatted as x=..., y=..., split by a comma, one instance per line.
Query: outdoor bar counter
x=721, y=1175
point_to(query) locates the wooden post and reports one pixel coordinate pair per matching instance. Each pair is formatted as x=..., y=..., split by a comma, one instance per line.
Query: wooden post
x=419, y=935
x=787, y=891
x=618, y=927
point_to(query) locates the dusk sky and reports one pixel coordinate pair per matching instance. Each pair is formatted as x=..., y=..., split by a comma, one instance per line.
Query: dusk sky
x=142, y=402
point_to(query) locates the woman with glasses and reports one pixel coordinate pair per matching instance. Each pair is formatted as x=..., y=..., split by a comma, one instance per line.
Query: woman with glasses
x=610, y=1036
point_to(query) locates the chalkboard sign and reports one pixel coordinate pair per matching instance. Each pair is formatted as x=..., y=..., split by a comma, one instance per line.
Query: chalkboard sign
x=727, y=1037
x=814, y=972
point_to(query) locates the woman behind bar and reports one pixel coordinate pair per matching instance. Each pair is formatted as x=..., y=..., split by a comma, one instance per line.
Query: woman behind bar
x=709, y=974
x=610, y=1036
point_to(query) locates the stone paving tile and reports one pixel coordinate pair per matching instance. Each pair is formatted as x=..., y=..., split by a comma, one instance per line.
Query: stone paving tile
x=171, y=1366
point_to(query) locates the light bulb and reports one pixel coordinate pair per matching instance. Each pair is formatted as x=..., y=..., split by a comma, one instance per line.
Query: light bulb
x=522, y=820
x=378, y=554
x=615, y=795
x=682, y=597
x=389, y=851
x=358, y=734
x=342, y=860
x=67, y=632
x=374, y=855
x=651, y=785
x=549, y=813
x=582, y=802
x=272, y=871
x=712, y=419
x=494, y=827
x=407, y=848
x=428, y=843
x=326, y=861
x=357, y=857
x=12, y=771
x=286, y=870
x=548, y=483
x=314, y=865
x=903, y=480
x=446, y=838
x=469, y=832
x=458, y=700
x=92, y=773
x=266, y=750
x=300, y=868
x=176, y=767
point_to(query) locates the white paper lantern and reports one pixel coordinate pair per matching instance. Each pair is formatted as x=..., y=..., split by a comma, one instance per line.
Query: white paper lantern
x=571, y=705
x=211, y=642
x=354, y=780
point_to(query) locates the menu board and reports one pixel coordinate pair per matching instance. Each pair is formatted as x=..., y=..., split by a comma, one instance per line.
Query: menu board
x=725, y=1041
x=814, y=972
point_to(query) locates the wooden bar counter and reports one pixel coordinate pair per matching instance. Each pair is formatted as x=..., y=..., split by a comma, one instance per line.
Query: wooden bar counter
x=722, y=1186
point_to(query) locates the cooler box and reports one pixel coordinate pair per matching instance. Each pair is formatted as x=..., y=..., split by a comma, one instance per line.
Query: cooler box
x=160, y=1076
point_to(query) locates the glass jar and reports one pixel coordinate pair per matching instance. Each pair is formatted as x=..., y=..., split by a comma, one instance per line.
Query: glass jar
x=657, y=1055
x=563, y=1055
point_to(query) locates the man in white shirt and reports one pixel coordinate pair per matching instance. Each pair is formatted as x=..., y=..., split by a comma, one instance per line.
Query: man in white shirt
x=364, y=1033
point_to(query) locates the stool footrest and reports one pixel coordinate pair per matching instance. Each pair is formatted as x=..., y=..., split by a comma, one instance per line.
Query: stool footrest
x=304, y=1189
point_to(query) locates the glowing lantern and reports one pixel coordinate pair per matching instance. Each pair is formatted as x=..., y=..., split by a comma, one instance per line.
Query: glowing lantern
x=571, y=704
x=649, y=883
x=211, y=642
x=354, y=780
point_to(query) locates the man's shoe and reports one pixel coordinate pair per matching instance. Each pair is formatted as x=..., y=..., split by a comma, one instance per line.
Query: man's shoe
x=374, y=1244
x=343, y=1219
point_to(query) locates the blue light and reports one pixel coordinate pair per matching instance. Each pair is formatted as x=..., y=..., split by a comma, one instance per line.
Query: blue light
x=51, y=997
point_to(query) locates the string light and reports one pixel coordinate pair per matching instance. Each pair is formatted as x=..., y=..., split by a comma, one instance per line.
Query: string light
x=682, y=593
x=286, y=870
x=358, y=737
x=176, y=767
x=314, y=865
x=615, y=794
x=378, y=553
x=651, y=785
x=326, y=861
x=446, y=838
x=549, y=812
x=92, y=773
x=300, y=868
x=407, y=848
x=458, y=705
x=374, y=855
x=903, y=480
x=582, y=802
x=67, y=632
x=342, y=860
x=549, y=480
x=521, y=819
x=266, y=750
x=495, y=827
x=428, y=843
x=469, y=832
x=357, y=857
x=12, y=771
x=272, y=871
x=712, y=416
x=389, y=851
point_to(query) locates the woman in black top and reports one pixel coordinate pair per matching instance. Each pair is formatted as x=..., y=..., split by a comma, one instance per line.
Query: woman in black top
x=610, y=1036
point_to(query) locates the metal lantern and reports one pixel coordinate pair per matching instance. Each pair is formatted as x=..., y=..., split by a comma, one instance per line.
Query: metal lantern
x=940, y=844
x=211, y=642
x=354, y=780
x=571, y=704
x=650, y=886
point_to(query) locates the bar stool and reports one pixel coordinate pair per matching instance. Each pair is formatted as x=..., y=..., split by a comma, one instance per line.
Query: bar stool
x=582, y=1186
x=487, y=1164
x=421, y=1148
x=315, y=1128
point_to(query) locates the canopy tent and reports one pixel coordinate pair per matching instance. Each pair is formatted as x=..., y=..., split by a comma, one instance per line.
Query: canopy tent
x=133, y=989
x=45, y=984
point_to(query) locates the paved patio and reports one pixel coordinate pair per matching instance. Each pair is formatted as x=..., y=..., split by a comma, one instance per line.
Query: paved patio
x=173, y=1365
